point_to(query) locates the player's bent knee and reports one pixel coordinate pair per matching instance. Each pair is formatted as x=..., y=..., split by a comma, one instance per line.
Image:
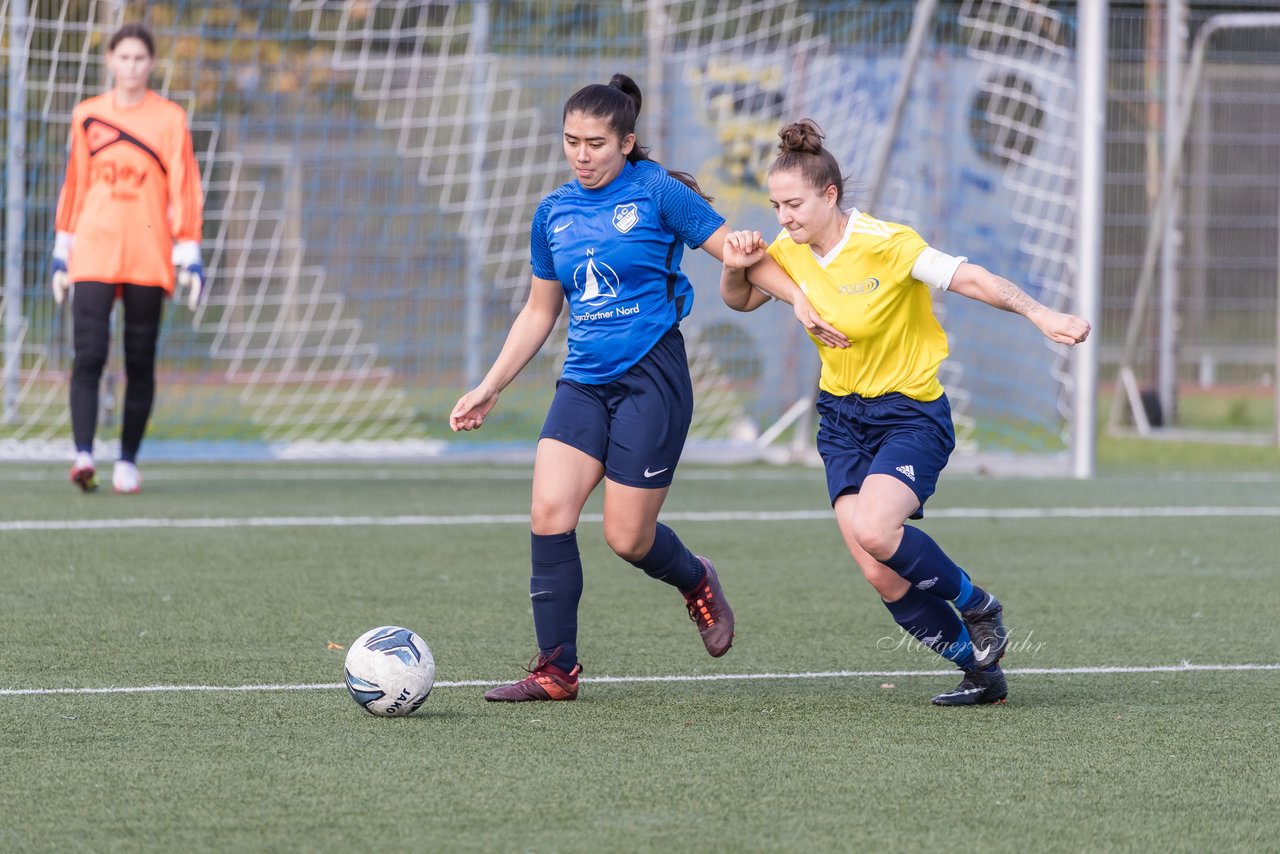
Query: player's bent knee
x=545, y=520
x=886, y=582
x=879, y=541
x=630, y=551
x=630, y=545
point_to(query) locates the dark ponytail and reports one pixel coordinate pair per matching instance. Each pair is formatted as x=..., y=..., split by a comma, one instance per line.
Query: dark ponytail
x=618, y=102
x=801, y=150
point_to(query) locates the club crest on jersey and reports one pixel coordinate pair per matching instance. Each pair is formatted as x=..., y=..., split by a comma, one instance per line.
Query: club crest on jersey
x=625, y=217
x=866, y=286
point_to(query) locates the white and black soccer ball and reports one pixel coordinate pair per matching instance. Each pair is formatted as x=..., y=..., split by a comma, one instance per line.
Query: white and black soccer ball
x=390, y=671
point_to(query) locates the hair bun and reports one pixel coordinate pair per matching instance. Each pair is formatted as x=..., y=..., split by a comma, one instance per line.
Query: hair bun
x=628, y=87
x=803, y=136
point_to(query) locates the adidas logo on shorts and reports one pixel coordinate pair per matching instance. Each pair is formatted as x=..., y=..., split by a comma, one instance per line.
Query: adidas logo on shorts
x=909, y=471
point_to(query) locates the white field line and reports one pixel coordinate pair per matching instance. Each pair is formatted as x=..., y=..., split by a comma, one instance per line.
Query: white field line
x=473, y=472
x=286, y=472
x=692, y=516
x=1184, y=667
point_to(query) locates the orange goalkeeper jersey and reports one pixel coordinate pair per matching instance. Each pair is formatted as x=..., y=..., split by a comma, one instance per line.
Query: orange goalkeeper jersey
x=132, y=189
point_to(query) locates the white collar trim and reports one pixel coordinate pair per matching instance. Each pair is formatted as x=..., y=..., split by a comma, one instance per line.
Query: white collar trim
x=824, y=260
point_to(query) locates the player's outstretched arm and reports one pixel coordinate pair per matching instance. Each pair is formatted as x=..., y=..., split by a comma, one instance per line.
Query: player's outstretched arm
x=979, y=283
x=528, y=333
x=749, y=278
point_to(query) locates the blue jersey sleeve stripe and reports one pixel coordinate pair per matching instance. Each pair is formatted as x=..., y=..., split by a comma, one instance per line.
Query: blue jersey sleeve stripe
x=539, y=249
x=673, y=272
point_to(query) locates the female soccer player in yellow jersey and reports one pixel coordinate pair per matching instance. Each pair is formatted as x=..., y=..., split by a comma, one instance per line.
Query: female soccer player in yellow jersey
x=885, y=429
x=130, y=210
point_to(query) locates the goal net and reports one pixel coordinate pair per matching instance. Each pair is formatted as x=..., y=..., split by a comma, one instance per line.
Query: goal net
x=371, y=168
x=1200, y=225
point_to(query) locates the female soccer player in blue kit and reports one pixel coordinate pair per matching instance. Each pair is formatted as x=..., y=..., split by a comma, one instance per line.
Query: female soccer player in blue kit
x=610, y=242
x=885, y=429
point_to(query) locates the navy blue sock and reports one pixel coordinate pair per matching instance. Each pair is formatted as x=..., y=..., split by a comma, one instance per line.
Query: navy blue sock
x=922, y=561
x=935, y=624
x=554, y=589
x=671, y=561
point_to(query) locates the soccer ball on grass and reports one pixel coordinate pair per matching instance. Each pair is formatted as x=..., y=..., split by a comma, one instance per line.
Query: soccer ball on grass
x=390, y=671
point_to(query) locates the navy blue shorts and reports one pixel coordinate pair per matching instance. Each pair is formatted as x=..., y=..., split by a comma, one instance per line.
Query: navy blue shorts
x=891, y=434
x=636, y=425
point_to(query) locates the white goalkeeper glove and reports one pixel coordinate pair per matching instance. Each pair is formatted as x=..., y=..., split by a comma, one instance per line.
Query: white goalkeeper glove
x=61, y=282
x=186, y=257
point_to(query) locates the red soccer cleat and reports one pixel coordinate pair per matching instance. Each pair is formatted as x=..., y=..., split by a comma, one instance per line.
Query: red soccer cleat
x=545, y=681
x=710, y=611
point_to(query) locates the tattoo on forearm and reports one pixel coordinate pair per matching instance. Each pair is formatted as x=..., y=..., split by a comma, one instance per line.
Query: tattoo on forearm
x=1014, y=298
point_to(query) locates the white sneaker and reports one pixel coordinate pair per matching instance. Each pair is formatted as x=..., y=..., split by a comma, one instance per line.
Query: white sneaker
x=125, y=478
x=83, y=472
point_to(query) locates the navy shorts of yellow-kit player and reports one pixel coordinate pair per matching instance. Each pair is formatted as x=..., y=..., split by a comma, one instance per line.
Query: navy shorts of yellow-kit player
x=636, y=424
x=891, y=434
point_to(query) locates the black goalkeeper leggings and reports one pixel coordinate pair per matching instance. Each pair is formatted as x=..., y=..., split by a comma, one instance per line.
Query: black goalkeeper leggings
x=91, y=308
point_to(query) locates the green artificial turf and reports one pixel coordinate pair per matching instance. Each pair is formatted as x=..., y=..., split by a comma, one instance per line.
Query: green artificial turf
x=814, y=733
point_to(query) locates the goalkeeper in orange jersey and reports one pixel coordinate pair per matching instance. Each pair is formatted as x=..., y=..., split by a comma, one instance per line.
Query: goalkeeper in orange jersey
x=885, y=430
x=129, y=212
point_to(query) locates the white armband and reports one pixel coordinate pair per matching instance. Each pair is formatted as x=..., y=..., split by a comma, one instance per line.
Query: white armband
x=936, y=268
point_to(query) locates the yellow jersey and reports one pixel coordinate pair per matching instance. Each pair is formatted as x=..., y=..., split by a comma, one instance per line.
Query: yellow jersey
x=865, y=287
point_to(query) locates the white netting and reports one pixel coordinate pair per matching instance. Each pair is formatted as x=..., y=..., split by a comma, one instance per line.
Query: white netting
x=441, y=91
x=371, y=168
x=279, y=335
x=1028, y=98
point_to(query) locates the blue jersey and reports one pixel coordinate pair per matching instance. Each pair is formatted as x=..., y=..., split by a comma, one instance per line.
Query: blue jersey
x=616, y=252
